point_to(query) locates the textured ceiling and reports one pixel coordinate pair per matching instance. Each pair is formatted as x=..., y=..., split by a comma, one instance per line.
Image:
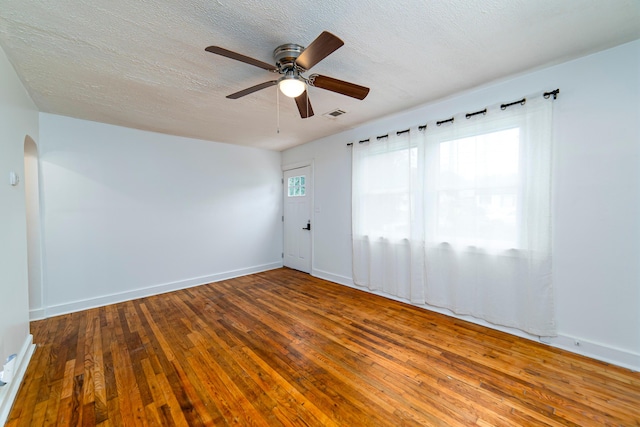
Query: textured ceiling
x=142, y=64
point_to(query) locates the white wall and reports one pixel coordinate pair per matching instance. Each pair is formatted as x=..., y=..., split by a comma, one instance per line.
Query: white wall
x=128, y=213
x=18, y=118
x=596, y=192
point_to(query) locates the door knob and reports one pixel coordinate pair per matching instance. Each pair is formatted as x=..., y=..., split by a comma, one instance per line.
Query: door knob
x=308, y=227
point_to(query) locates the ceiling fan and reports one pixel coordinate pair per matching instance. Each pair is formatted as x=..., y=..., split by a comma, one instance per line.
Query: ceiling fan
x=291, y=61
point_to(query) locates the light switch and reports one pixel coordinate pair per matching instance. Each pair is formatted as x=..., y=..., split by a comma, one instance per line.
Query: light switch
x=13, y=178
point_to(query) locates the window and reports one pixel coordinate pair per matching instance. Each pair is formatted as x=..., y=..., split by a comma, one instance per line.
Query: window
x=296, y=186
x=384, y=204
x=477, y=193
x=459, y=216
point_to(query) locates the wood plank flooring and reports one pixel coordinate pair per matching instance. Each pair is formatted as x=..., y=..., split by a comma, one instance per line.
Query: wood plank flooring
x=284, y=348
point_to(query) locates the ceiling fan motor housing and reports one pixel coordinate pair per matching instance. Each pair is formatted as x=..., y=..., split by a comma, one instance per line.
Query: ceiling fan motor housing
x=286, y=55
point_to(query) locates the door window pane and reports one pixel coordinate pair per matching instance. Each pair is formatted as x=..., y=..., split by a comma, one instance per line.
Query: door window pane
x=296, y=186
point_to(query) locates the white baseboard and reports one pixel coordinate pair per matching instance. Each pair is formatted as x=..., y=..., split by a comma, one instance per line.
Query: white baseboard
x=604, y=353
x=9, y=391
x=36, y=314
x=100, y=301
x=335, y=278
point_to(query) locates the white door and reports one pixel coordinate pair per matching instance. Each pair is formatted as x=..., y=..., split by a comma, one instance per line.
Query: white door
x=297, y=218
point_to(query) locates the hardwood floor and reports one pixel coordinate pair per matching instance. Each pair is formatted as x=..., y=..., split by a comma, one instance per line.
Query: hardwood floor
x=284, y=348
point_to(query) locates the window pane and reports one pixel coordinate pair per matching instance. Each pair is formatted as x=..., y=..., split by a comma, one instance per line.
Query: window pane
x=385, y=202
x=477, y=199
x=296, y=186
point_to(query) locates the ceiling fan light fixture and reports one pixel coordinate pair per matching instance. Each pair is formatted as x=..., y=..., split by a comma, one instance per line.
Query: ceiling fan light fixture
x=291, y=85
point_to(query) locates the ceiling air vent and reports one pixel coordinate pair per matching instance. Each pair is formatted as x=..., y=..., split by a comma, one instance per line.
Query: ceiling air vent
x=335, y=113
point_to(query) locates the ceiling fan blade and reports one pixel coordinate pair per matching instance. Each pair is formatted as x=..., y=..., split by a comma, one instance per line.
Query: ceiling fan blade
x=252, y=89
x=339, y=86
x=304, y=105
x=325, y=44
x=242, y=58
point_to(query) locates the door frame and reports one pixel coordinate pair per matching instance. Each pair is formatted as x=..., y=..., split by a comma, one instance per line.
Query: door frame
x=298, y=165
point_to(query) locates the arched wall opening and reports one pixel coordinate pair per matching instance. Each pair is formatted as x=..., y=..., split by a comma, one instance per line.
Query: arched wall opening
x=34, y=249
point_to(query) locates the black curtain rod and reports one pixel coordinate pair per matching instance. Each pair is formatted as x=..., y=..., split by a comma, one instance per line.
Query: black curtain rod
x=469, y=115
x=362, y=141
x=553, y=92
x=522, y=101
x=445, y=121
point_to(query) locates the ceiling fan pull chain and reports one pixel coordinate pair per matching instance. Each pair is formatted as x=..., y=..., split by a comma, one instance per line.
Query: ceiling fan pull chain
x=277, y=111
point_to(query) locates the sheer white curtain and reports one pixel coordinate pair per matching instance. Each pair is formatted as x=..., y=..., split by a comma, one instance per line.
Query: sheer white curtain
x=388, y=252
x=458, y=216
